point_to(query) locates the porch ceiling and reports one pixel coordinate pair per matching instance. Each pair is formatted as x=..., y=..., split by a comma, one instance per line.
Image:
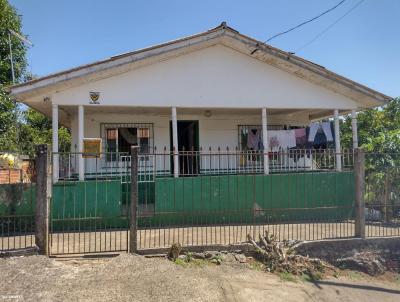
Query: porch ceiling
x=314, y=114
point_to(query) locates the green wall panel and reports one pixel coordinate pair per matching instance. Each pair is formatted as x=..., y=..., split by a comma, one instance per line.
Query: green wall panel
x=17, y=208
x=17, y=199
x=278, y=197
x=192, y=200
x=87, y=205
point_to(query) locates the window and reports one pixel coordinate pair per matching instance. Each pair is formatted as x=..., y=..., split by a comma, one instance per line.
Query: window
x=119, y=138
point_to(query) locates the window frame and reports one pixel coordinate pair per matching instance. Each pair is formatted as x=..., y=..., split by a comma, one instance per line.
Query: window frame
x=104, y=127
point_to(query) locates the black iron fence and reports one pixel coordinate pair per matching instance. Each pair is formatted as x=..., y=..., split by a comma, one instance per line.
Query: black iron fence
x=218, y=161
x=382, y=194
x=219, y=197
x=17, y=202
x=223, y=209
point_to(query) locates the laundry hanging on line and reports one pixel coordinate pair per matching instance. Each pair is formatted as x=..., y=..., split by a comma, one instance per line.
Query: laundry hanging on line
x=254, y=140
x=281, y=139
x=301, y=136
x=315, y=127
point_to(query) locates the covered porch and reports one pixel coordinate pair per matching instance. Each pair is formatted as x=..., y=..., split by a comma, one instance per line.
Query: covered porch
x=175, y=142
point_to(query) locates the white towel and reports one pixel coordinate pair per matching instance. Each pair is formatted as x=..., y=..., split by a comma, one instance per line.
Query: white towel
x=281, y=139
x=313, y=131
x=326, y=127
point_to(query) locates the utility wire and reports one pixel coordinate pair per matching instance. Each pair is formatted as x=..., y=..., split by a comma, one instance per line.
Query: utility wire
x=329, y=27
x=301, y=24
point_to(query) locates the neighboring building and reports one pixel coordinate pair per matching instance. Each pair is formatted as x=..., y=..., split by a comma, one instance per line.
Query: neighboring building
x=207, y=91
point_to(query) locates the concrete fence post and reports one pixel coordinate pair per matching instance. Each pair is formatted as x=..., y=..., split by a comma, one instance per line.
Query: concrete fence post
x=43, y=197
x=133, y=221
x=359, y=182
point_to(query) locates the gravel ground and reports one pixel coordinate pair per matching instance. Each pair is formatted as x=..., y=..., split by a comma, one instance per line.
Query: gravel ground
x=136, y=278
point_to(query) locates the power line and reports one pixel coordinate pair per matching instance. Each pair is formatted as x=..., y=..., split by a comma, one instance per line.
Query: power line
x=329, y=27
x=301, y=24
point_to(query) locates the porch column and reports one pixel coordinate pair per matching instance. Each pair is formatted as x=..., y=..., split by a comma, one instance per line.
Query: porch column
x=354, y=128
x=175, y=142
x=265, y=140
x=337, y=142
x=80, y=142
x=54, y=127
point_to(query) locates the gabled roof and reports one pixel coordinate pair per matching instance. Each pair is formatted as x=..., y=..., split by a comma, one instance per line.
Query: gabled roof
x=222, y=34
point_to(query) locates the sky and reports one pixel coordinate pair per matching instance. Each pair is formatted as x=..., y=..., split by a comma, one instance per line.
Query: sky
x=363, y=46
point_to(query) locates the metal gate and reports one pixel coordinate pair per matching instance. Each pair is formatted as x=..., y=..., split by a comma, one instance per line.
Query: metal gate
x=90, y=215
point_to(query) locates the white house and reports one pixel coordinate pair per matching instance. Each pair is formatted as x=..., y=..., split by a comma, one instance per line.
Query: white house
x=201, y=91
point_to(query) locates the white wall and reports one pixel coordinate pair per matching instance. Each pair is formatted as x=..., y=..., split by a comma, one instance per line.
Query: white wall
x=214, y=77
x=219, y=130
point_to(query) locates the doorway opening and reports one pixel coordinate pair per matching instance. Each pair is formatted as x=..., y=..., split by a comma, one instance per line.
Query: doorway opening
x=188, y=147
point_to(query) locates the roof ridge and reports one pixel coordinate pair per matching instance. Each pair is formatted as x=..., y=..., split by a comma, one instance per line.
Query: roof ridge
x=58, y=73
x=67, y=74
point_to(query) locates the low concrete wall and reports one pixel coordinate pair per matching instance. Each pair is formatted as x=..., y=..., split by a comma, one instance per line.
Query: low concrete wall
x=332, y=250
x=29, y=251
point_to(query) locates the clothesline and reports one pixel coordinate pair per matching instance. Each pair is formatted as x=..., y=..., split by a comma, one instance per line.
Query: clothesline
x=286, y=139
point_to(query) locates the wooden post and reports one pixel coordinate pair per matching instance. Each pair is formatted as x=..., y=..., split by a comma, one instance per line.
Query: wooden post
x=359, y=182
x=133, y=223
x=43, y=197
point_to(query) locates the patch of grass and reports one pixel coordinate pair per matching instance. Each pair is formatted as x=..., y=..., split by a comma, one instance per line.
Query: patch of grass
x=286, y=276
x=180, y=262
x=218, y=257
x=256, y=265
x=311, y=277
x=397, y=279
x=355, y=275
x=200, y=262
x=191, y=263
x=189, y=257
x=306, y=278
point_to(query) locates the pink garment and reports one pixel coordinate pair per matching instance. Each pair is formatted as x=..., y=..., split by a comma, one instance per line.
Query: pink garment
x=301, y=137
x=254, y=139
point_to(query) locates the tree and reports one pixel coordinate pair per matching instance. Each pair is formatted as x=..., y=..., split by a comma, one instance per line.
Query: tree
x=9, y=19
x=16, y=122
x=8, y=125
x=9, y=110
x=379, y=136
x=37, y=129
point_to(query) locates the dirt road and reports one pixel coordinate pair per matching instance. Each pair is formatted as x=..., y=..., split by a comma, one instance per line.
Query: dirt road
x=135, y=278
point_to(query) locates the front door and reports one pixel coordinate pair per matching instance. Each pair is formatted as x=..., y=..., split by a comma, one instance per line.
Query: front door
x=188, y=146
